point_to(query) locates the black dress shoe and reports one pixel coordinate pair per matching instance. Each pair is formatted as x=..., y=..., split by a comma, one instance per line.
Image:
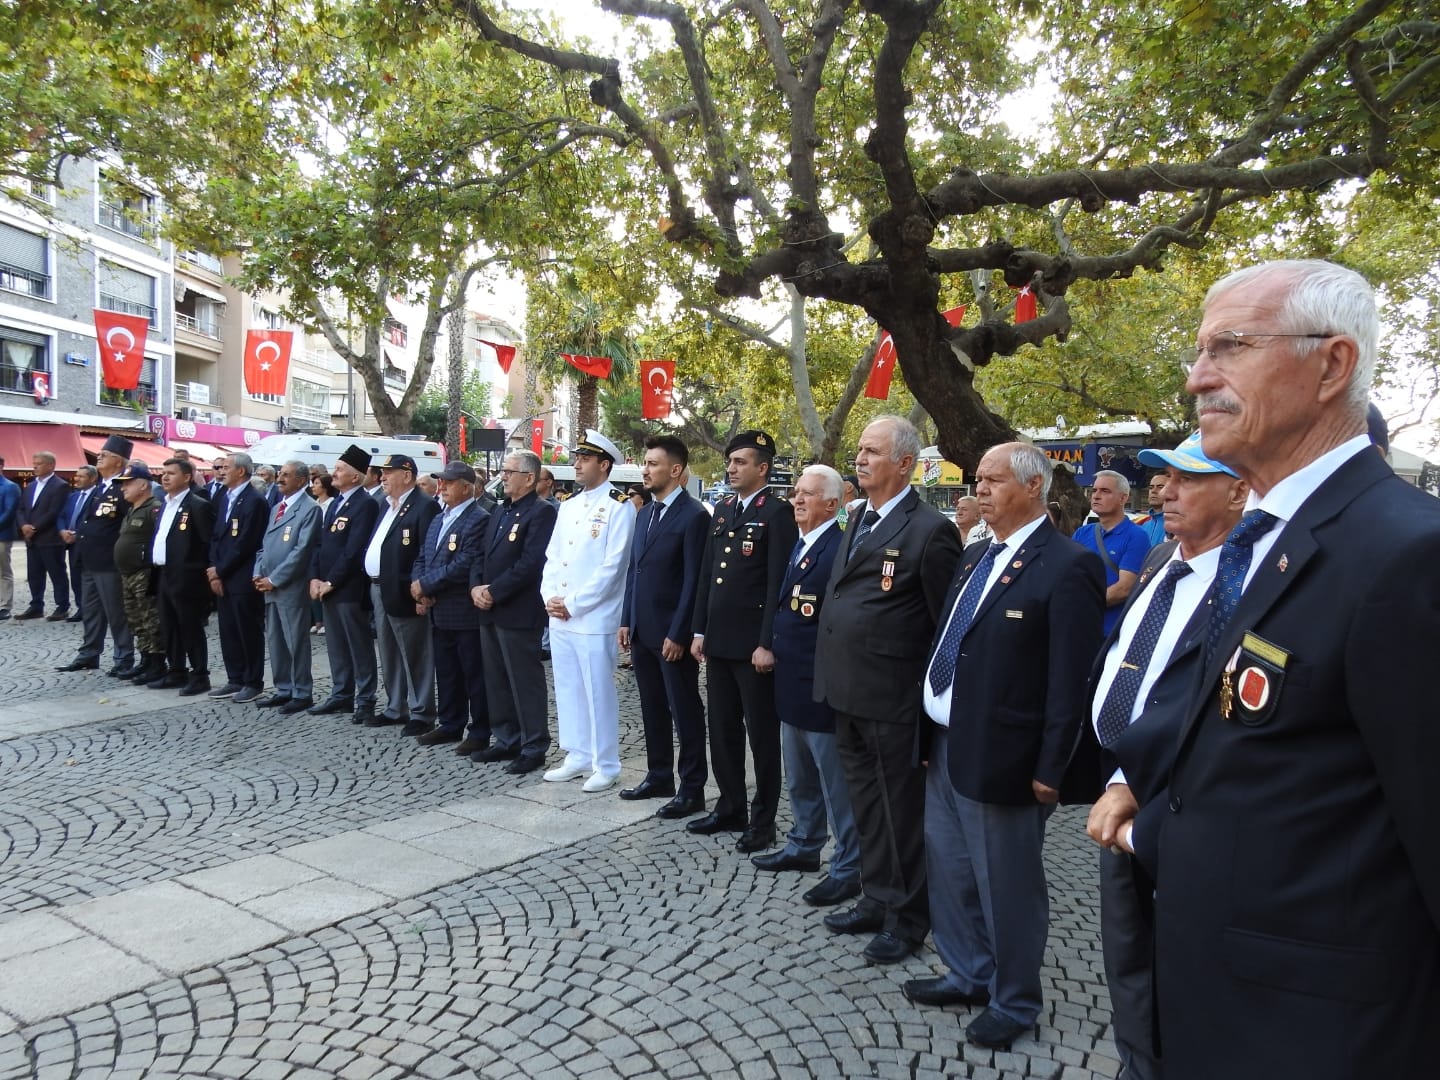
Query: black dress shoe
x=416, y=727
x=471, y=745
x=58, y=615
x=195, y=685
x=77, y=617
x=858, y=920
x=525, y=763
x=887, y=948
x=330, y=705
x=30, y=613
x=123, y=671
x=77, y=665
x=938, y=991
x=384, y=721
x=753, y=839
x=497, y=753
x=296, y=705
x=830, y=892
x=438, y=736
x=994, y=1030
x=649, y=789
x=363, y=714
x=787, y=860
x=274, y=701
x=172, y=681
x=713, y=823
x=682, y=806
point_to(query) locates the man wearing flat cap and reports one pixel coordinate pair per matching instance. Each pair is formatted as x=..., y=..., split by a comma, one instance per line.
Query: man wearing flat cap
x=407, y=659
x=95, y=533
x=584, y=590
x=338, y=581
x=752, y=537
x=440, y=585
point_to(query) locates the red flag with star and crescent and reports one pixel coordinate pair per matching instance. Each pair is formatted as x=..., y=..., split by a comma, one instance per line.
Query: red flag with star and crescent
x=122, y=347
x=1025, y=306
x=657, y=383
x=504, y=354
x=599, y=366
x=882, y=368
x=267, y=360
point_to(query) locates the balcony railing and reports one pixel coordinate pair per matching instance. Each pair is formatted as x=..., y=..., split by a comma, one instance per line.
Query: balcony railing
x=110, y=302
x=209, y=327
x=203, y=260
x=309, y=412
x=126, y=221
x=182, y=393
x=18, y=279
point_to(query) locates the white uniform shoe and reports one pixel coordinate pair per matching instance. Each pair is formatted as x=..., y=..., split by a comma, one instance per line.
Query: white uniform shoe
x=565, y=772
x=599, y=782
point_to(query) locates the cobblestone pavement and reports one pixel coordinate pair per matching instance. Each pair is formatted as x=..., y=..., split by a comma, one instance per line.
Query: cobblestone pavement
x=193, y=888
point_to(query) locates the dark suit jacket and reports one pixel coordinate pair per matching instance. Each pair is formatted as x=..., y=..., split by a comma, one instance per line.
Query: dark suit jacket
x=99, y=527
x=444, y=566
x=874, y=641
x=1020, y=677
x=665, y=564
x=187, y=550
x=45, y=512
x=797, y=628
x=740, y=577
x=515, y=541
x=1298, y=899
x=339, y=556
x=237, y=538
x=399, y=550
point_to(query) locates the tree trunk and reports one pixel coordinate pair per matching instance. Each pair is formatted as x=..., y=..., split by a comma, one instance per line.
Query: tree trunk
x=455, y=389
x=587, y=412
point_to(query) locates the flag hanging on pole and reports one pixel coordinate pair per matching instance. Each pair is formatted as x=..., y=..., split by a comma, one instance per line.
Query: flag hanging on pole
x=122, y=347
x=881, y=368
x=1025, y=305
x=954, y=315
x=504, y=354
x=599, y=366
x=537, y=436
x=40, y=384
x=267, y=361
x=657, y=383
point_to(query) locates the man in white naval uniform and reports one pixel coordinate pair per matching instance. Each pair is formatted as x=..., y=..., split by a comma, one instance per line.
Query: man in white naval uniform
x=584, y=590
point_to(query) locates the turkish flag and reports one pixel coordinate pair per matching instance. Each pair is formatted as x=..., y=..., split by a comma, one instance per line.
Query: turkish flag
x=122, y=347
x=40, y=384
x=954, y=315
x=599, y=366
x=878, y=385
x=657, y=383
x=504, y=354
x=1025, y=306
x=267, y=360
x=537, y=436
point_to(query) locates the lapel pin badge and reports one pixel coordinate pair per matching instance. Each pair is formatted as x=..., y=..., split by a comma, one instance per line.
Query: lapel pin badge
x=1283, y=563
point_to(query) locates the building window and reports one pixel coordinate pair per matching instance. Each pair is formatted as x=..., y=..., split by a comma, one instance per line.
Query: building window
x=269, y=399
x=126, y=208
x=23, y=356
x=394, y=331
x=198, y=314
x=309, y=401
x=129, y=291
x=24, y=262
x=143, y=398
x=266, y=319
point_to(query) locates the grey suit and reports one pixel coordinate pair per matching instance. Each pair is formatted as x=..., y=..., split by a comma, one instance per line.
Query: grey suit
x=284, y=558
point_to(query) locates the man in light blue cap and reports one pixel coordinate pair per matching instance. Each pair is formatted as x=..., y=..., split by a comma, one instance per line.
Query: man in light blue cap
x=1124, y=758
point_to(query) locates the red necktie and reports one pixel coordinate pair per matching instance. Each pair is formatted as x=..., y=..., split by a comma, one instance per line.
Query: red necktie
x=280, y=511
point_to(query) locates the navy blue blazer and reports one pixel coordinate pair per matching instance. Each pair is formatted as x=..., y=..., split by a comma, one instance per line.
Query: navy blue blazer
x=237, y=538
x=339, y=556
x=45, y=512
x=665, y=565
x=513, y=560
x=797, y=628
x=444, y=566
x=400, y=549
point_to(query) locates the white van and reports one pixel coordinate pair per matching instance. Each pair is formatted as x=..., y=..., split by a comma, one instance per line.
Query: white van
x=326, y=450
x=623, y=476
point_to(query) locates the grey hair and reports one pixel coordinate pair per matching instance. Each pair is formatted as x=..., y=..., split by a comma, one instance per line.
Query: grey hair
x=1122, y=483
x=1321, y=298
x=88, y=470
x=833, y=487
x=1027, y=462
x=244, y=461
x=298, y=466
x=966, y=499
x=46, y=454
x=527, y=460
x=904, y=438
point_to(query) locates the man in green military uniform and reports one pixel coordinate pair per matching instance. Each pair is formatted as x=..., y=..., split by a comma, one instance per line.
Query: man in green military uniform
x=132, y=561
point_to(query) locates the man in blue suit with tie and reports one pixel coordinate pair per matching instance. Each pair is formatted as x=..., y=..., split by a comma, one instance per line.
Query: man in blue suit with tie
x=814, y=774
x=665, y=563
x=241, y=518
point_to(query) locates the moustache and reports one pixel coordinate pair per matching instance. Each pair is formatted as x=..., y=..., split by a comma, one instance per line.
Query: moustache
x=1216, y=403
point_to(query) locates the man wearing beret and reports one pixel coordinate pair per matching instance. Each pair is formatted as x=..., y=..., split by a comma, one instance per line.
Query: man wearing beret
x=752, y=537
x=338, y=581
x=584, y=589
x=407, y=659
x=95, y=534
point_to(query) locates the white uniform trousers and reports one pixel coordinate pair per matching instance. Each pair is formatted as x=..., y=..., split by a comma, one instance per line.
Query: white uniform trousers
x=587, y=707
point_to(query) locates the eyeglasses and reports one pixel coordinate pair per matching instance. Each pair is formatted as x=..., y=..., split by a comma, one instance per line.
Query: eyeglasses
x=1224, y=347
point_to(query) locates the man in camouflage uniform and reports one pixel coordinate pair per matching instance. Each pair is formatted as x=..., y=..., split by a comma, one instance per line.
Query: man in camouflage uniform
x=132, y=561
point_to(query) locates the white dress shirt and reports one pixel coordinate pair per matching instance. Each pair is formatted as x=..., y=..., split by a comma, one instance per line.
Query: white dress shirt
x=387, y=522
x=162, y=529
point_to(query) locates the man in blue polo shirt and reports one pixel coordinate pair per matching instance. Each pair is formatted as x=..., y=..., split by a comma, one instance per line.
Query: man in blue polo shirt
x=1121, y=544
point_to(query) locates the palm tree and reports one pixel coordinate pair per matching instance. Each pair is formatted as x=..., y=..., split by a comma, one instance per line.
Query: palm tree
x=565, y=318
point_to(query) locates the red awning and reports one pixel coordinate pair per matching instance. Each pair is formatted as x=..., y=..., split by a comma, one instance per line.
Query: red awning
x=20, y=442
x=200, y=452
x=152, y=454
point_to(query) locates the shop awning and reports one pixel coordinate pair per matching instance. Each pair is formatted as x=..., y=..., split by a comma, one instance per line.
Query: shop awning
x=152, y=454
x=200, y=452
x=20, y=442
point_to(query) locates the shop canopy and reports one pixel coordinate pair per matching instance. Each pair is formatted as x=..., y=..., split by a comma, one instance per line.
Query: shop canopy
x=20, y=442
x=152, y=454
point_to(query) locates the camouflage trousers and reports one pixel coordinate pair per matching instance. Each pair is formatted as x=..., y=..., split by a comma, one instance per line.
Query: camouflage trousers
x=141, y=611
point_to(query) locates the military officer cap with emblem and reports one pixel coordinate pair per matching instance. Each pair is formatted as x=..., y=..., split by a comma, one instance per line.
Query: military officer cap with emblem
x=356, y=458
x=598, y=445
x=758, y=441
x=119, y=445
x=399, y=461
x=136, y=470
